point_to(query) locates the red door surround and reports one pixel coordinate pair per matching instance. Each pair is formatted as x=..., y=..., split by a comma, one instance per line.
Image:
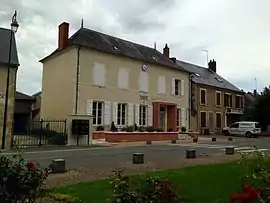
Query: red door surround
x=171, y=114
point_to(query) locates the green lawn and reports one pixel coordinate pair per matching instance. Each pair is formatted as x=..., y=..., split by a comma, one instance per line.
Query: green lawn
x=198, y=184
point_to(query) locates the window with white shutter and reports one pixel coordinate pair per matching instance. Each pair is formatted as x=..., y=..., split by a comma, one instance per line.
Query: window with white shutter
x=143, y=82
x=89, y=105
x=97, y=112
x=121, y=114
x=130, y=114
x=143, y=111
x=182, y=88
x=161, y=85
x=173, y=86
x=150, y=115
x=99, y=72
x=183, y=117
x=137, y=113
x=123, y=78
x=107, y=113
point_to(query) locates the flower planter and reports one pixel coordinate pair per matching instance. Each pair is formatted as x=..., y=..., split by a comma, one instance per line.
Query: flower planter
x=113, y=137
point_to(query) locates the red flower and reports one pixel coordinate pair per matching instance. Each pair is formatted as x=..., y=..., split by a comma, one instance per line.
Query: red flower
x=30, y=164
x=248, y=194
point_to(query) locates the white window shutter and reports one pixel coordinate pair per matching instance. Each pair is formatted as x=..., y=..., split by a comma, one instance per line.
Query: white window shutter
x=107, y=113
x=115, y=113
x=173, y=86
x=183, y=117
x=150, y=115
x=130, y=114
x=182, y=87
x=89, y=106
x=137, y=112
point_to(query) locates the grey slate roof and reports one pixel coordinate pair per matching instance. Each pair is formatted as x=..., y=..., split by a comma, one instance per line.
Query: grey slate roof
x=106, y=43
x=22, y=96
x=4, y=47
x=207, y=77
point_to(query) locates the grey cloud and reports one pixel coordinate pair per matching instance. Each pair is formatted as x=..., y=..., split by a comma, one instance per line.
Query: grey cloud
x=237, y=38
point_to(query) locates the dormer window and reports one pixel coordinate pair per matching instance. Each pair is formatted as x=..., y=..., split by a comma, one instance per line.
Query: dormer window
x=197, y=74
x=115, y=48
x=154, y=58
x=218, y=79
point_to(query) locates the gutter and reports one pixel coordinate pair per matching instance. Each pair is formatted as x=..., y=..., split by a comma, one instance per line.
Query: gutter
x=77, y=80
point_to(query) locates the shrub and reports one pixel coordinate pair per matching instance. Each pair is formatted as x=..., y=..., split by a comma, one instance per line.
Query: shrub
x=113, y=127
x=149, y=129
x=183, y=129
x=130, y=128
x=58, y=139
x=135, y=127
x=141, y=129
x=100, y=128
x=151, y=189
x=159, y=130
x=20, y=182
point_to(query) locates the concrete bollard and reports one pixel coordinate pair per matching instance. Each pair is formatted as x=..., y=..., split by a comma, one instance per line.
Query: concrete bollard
x=148, y=142
x=190, y=153
x=138, y=158
x=229, y=150
x=230, y=139
x=58, y=166
x=173, y=141
x=214, y=139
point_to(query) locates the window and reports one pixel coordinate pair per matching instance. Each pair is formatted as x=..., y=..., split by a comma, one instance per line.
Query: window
x=178, y=117
x=218, y=98
x=238, y=101
x=143, y=115
x=227, y=100
x=177, y=86
x=197, y=74
x=234, y=125
x=203, y=96
x=99, y=72
x=97, y=112
x=143, y=81
x=161, y=85
x=218, y=120
x=123, y=78
x=121, y=114
x=203, y=119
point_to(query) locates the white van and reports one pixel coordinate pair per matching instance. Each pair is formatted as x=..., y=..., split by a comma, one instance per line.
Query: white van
x=243, y=128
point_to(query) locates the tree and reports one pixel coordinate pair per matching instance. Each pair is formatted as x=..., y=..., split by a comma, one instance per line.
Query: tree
x=261, y=110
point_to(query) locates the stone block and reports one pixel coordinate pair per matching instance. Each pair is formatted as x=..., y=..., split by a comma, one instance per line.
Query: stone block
x=59, y=166
x=190, y=153
x=138, y=158
x=229, y=150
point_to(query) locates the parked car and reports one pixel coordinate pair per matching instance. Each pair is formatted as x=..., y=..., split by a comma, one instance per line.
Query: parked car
x=243, y=128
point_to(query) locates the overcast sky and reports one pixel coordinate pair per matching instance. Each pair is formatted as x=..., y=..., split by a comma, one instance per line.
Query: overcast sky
x=236, y=33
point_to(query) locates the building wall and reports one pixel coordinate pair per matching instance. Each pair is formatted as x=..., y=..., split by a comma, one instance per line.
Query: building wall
x=211, y=106
x=58, y=85
x=3, y=75
x=108, y=92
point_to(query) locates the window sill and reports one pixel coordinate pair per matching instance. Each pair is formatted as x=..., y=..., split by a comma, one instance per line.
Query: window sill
x=219, y=106
x=99, y=86
x=203, y=104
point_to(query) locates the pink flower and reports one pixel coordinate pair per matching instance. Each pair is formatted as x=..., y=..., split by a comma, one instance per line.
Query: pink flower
x=30, y=164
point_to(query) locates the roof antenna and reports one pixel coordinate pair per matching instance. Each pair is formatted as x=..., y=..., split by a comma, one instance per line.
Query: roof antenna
x=155, y=46
x=82, y=23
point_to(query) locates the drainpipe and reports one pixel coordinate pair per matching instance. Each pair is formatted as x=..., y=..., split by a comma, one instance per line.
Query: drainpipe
x=77, y=80
x=190, y=99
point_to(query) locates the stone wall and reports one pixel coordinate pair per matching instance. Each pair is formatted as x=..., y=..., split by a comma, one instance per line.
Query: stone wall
x=3, y=73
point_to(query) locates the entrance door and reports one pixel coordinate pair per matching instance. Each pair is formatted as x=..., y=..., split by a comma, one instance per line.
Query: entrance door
x=162, y=114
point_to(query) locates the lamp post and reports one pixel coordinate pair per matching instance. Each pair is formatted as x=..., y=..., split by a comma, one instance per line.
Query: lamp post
x=14, y=27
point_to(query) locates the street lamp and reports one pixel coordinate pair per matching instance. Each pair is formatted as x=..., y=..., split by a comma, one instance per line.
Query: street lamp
x=14, y=27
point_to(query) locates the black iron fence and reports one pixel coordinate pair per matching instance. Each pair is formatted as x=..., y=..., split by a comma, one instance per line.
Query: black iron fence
x=42, y=132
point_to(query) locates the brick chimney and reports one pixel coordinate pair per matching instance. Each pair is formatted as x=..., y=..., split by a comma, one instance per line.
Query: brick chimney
x=166, y=51
x=212, y=65
x=63, y=31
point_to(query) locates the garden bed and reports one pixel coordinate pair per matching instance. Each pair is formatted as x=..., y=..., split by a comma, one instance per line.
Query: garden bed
x=134, y=136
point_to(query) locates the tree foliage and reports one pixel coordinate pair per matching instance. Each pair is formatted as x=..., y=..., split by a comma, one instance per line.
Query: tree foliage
x=261, y=110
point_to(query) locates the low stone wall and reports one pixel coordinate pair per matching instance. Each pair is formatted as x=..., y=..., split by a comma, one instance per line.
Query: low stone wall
x=135, y=136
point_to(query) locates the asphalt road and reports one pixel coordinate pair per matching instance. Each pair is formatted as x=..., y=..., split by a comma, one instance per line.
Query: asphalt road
x=112, y=157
